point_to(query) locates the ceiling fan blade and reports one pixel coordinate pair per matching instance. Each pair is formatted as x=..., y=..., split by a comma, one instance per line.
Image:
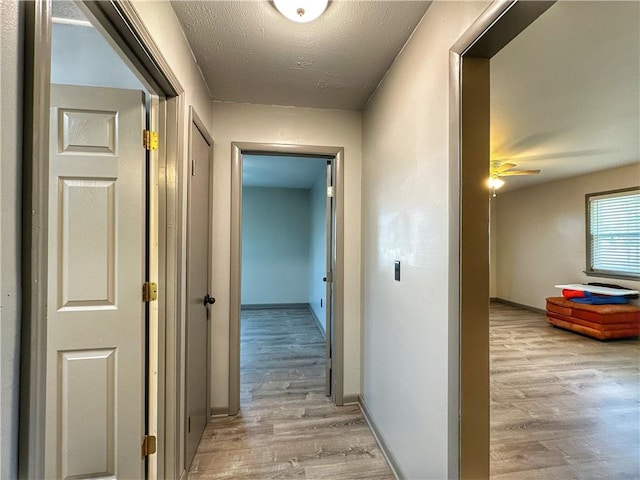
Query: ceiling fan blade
x=511, y=173
x=498, y=167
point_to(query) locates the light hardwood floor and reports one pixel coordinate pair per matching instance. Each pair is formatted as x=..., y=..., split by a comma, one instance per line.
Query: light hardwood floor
x=563, y=406
x=287, y=427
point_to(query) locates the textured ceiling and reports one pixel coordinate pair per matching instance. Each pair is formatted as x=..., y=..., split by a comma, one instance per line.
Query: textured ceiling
x=67, y=9
x=249, y=53
x=565, y=93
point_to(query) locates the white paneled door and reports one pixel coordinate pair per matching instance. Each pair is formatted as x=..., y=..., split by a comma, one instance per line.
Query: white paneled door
x=96, y=261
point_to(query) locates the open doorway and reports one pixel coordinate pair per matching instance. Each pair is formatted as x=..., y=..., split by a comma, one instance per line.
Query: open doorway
x=287, y=219
x=469, y=106
x=329, y=159
x=98, y=349
x=470, y=101
x=565, y=129
x=94, y=245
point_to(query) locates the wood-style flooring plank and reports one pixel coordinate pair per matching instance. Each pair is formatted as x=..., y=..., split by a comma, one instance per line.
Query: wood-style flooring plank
x=287, y=428
x=562, y=405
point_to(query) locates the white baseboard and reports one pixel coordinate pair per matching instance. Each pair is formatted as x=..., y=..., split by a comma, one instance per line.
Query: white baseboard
x=350, y=399
x=218, y=411
x=518, y=305
x=260, y=306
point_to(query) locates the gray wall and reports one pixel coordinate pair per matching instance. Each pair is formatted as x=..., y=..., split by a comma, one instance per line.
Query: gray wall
x=234, y=122
x=405, y=192
x=10, y=160
x=529, y=259
x=276, y=231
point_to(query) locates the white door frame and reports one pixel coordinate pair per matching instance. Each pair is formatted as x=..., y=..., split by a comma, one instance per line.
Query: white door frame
x=237, y=150
x=120, y=21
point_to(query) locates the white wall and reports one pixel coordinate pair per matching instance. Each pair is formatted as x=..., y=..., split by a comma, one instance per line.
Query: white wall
x=405, y=217
x=10, y=161
x=287, y=125
x=275, y=245
x=541, y=236
x=81, y=56
x=318, y=249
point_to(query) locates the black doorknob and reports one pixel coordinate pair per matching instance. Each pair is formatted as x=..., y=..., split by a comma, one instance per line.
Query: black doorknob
x=324, y=279
x=209, y=300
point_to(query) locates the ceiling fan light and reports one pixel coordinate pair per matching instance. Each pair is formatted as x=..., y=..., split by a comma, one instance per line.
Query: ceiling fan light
x=495, y=182
x=301, y=11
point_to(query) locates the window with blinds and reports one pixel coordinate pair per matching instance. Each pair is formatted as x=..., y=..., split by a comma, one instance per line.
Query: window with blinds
x=613, y=234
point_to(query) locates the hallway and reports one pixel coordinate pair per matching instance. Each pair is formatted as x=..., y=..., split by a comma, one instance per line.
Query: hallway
x=287, y=427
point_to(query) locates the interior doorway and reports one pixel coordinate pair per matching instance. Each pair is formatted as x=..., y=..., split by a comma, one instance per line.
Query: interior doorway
x=470, y=155
x=287, y=240
x=559, y=160
x=98, y=350
x=469, y=163
x=330, y=164
x=104, y=429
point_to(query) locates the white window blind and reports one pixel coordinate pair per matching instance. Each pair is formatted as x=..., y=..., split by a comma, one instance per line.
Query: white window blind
x=614, y=233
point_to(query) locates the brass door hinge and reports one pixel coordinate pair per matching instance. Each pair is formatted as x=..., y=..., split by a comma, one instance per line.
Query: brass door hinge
x=149, y=292
x=148, y=445
x=150, y=140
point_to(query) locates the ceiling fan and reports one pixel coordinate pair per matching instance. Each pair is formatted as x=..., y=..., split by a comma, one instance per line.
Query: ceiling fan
x=499, y=169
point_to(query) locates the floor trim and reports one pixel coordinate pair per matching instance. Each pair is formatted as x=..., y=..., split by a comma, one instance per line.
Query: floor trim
x=317, y=320
x=518, y=305
x=351, y=399
x=261, y=306
x=219, y=411
x=391, y=459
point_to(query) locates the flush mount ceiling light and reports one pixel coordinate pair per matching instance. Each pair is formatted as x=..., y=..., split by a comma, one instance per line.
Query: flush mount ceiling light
x=301, y=11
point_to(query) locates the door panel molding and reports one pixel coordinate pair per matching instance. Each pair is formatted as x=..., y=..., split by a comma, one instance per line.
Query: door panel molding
x=93, y=437
x=237, y=150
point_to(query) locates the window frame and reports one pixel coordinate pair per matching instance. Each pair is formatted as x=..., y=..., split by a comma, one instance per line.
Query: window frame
x=589, y=270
